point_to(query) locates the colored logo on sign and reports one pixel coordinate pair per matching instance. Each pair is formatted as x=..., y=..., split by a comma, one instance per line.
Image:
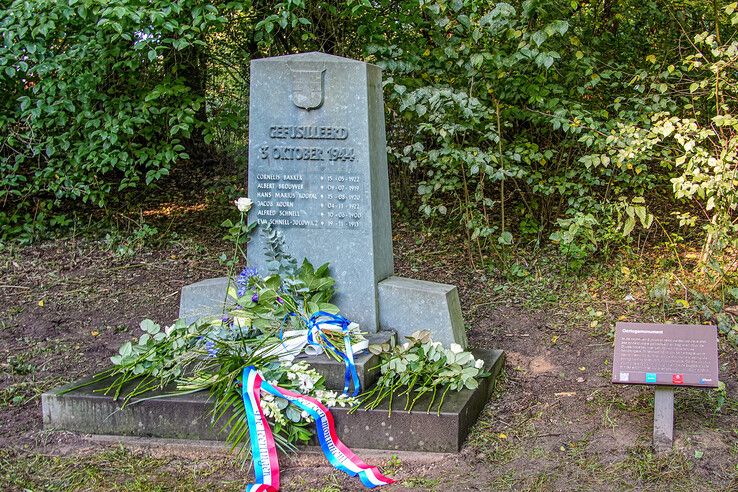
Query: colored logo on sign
x=650, y=377
x=677, y=379
x=624, y=376
x=705, y=380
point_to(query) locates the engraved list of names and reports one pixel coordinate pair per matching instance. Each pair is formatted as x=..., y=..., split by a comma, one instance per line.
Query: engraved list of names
x=307, y=178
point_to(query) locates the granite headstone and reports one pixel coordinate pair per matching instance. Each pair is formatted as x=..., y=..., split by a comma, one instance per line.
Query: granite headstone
x=318, y=171
x=318, y=175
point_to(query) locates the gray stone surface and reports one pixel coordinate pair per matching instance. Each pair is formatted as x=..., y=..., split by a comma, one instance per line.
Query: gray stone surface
x=188, y=417
x=408, y=305
x=203, y=298
x=663, y=419
x=318, y=174
x=334, y=371
x=318, y=171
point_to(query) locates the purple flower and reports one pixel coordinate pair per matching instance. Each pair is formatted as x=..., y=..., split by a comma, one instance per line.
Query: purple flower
x=242, y=280
x=225, y=319
x=211, y=348
x=280, y=300
x=255, y=297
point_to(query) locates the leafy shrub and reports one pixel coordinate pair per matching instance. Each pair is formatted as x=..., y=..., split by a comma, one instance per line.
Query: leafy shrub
x=98, y=97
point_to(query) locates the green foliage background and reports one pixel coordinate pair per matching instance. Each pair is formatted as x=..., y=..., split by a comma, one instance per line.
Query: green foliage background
x=589, y=123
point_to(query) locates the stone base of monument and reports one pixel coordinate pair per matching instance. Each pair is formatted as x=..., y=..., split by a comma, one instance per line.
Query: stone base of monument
x=188, y=416
x=334, y=371
x=405, y=306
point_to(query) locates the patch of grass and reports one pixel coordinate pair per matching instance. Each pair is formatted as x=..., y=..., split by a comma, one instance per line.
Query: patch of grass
x=421, y=483
x=333, y=484
x=705, y=403
x=504, y=481
x=392, y=465
x=498, y=443
x=613, y=399
x=19, y=394
x=19, y=365
x=643, y=466
x=117, y=469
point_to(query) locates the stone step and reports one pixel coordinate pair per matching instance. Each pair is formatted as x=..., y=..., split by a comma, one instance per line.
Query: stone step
x=334, y=372
x=188, y=416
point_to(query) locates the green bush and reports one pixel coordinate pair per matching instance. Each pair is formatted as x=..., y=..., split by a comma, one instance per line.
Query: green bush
x=579, y=122
x=97, y=97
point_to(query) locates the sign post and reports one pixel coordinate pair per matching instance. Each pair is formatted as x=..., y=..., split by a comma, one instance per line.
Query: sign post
x=663, y=418
x=665, y=356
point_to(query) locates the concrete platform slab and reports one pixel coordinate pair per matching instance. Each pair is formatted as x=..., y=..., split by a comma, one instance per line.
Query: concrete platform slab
x=188, y=417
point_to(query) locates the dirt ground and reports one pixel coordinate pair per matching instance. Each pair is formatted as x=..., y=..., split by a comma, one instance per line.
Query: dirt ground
x=556, y=422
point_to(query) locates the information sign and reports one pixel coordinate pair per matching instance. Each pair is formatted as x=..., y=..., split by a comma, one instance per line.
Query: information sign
x=669, y=355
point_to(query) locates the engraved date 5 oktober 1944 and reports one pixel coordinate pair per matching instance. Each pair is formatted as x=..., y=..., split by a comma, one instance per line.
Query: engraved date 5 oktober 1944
x=297, y=153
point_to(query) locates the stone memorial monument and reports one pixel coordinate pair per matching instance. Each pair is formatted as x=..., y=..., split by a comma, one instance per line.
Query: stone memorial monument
x=318, y=174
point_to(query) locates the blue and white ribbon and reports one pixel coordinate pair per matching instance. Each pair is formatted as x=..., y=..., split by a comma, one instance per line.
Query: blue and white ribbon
x=264, y=451
x=315, y=323
x=294, y=341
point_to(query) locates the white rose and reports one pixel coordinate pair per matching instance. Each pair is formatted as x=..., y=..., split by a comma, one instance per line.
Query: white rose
x=456, y=348
x=479, y=364
x=244, y=204
x=305, y=383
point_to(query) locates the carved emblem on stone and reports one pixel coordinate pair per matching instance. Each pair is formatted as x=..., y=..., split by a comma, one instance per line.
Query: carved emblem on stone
x=307, y=88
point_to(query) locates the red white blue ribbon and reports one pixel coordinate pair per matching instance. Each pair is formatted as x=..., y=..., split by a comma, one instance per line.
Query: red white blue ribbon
x=264, y=451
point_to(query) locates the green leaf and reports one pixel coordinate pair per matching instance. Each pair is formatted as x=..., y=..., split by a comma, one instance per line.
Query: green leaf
x=126, y=349
x=539, y=37
x=150, y=327
x=560, y=26
x=628, y=226
x=328, y=308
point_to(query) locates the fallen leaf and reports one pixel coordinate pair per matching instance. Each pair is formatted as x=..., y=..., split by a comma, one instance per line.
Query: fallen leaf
x=566, y=393
x=41, y=303
x=95, y=333
x=731, y=310
x=502, y=435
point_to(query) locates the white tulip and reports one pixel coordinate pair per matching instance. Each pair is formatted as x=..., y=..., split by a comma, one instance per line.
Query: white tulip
x=479, y=364
x=456, y=348
x=244, y=204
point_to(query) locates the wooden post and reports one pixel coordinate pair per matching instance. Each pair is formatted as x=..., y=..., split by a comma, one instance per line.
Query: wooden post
x=663, y=419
